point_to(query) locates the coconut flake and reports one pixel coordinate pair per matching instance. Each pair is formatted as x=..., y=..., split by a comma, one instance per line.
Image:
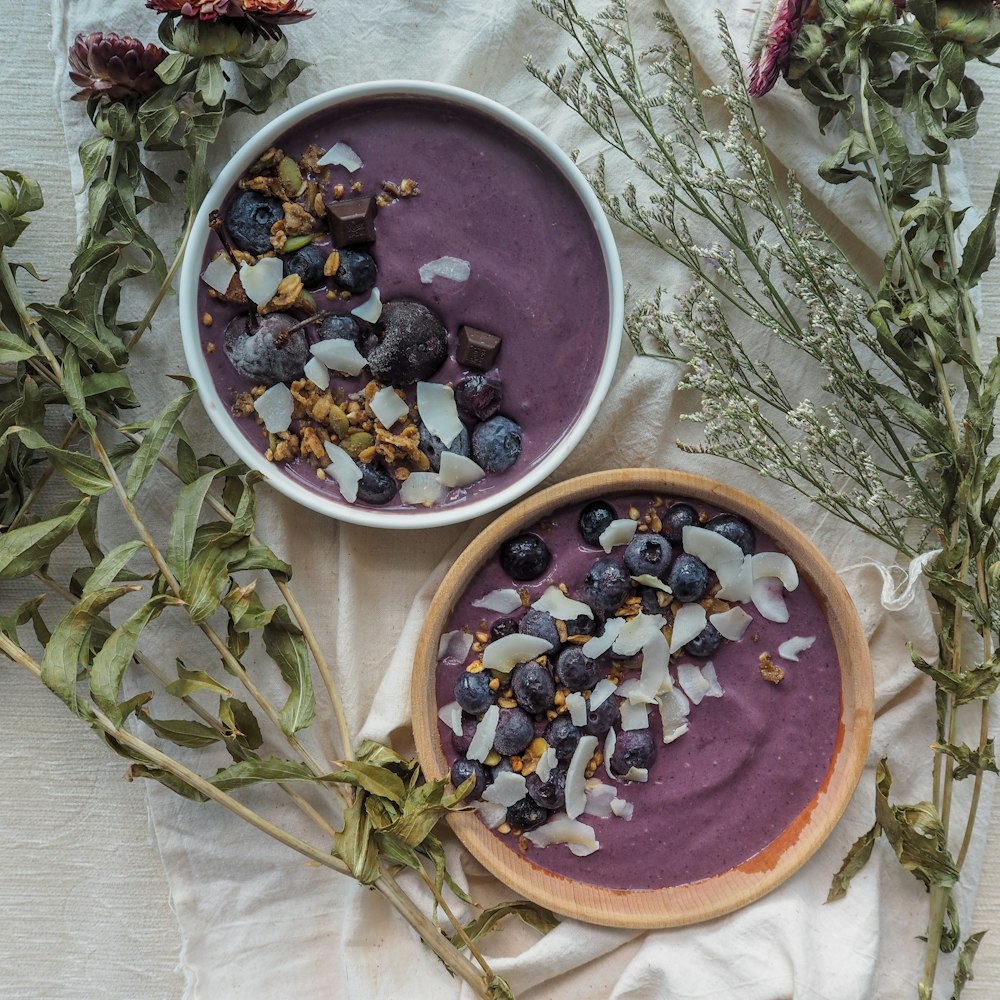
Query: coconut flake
x=622, y=809
x=692, y=683
x=502, y=655
x=636, y=774
x=715, y=689
x=454, y=645
x=600, y=644
x=340, y=355
x=768, y=600
x=631, y=690
x=438, y=410
x=421, y=488
x=714, y=550
x=557, y=604
x=768, y=564
x=674, y=709
x=610, y=742
x=457, y=471
x=648, y=580
x=507, y=788
x=341, y=155
x=317, y=373
x=731, y=624
x=344, y=470
x=260, y=281
x=482, y=740
x=491, y=813
x=655, y=661
x=603, y=690
x=619, y=532
x=689, y=622
x=503, y=601
x=275, y=407
x=790, y=648
x=633, y=716
x=560, y=829
x=576, y=795
x=735, y=582
x=599, y=798
x=370, y=309
x=452, y=268
x=219, y=274
x=637, y=632
x=576, y=705
x=388, y=407
x=546, y=764
x=451, y=716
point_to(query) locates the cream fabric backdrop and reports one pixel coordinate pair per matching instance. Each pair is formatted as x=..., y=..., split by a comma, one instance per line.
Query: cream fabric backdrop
x=86, y=913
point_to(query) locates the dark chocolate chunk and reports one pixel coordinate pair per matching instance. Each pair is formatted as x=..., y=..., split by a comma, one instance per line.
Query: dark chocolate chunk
x=351, y=221
x=477, y=348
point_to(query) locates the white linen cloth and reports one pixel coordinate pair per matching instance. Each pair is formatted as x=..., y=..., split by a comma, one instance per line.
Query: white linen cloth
x=256, y=921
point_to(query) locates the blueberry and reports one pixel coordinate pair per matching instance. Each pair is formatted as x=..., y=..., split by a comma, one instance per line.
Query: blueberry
x=602, y=718
x=634, y=748
x=606, y=585
x=594, y=518
x=358, y=271
x=534, y=688
x=581, y=625
x=413, y=343
x=515, y=730
x=651, y=600
x=463, y=742
x=648, y=554
x=735, y=529
x=562, y=736
x=377, y=485
x=496, y=444
x=308, y=264
x=526, y=815
x=549, y=794
x=504, y=766
x=479, y=397
x=502, y=627
x=540, y=624
x=463, y=769
x=433, y=447
x=688, y=578
x=576, y=670
x=249, y=218
x=677, y=518
x=261, y=348
x=705, y=643
x=472, y=692
x=524, y=557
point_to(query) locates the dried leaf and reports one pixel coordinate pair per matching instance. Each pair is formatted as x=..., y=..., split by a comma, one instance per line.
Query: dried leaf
x=372, y=778
x=356, y=846
x=182, y=732
x=26, y=549
x=535, y=916
x=963, y=971
x=856, y=858
x=286, y=646
x=253, y=772
x=242, y=724
x=110, y=568
x=153, y=442
x=191, y=681
x=969, y=761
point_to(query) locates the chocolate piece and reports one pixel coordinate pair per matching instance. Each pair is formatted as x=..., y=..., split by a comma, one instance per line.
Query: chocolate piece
x=351, y=221
x=477, y=348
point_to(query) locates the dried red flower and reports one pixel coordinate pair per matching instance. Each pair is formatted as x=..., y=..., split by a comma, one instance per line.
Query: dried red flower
x=260, y=16
x=115, y=67
x=203, y=10
x=777, y=26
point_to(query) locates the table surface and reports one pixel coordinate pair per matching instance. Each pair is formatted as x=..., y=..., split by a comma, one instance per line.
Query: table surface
x=85, y=903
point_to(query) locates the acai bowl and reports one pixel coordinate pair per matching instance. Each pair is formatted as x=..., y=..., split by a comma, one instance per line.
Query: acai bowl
x=658, y=689
x=398, y=275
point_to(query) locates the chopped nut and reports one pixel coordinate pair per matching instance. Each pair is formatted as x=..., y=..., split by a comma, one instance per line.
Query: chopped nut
x=495, y=684
x=289, y=289
x=207, y=319
x=210, y=347
x=402, y=473
x=503, y=828
x=477, y=647
x=332, y=264
x=482, y=637
x=770, y=670
x=408, y=188
x=338, y=191
x=357, y=187
x=383, y=201
x=390, y=188
x=297, y=220
x=633, y=513
x=492, y=759
x=560, y=697
x=516, y=763
x=476, y=667
x=243, y=405
x=321, y=473
x=310, y=160
x=655, y=524
x=507, y=702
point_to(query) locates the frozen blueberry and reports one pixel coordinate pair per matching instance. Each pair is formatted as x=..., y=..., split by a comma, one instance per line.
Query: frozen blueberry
x=606, y=585
x=413, y=343
x=576, y=670
x=540, y=624
x=651, y=600
x=735, y=529
x=602, y=718
x=526, y=814
x=581, y=625
x=525, y=557
x=502, y=627
x=463, y=769
x=261, y=348
x=594, y=518
x=677, y=518
x=308, y=264
x=249, y=218
x=433, y=447
x=705, y=643
x=688, y=578
x=633, y=748
x=534, y=688
x=549, y=794
x=515, y=730
x=357, y=273
x=377, y=485
x=648, y=554
x=562, y=736
x=479, y=397
x=496, y=444
x=472, y=692
x=503, y=767
x=333, y=327
x=463, y=742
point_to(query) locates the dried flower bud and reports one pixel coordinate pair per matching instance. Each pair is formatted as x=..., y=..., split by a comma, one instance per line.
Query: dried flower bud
x=775, y=29
x=114, y=67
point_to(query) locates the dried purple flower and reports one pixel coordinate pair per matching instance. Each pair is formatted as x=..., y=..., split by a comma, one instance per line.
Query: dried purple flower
x=775, y=29
x=115, y=67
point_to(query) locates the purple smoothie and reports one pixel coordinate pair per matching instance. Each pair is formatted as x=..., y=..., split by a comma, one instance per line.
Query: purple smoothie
x=487, y=196
x=750, y=763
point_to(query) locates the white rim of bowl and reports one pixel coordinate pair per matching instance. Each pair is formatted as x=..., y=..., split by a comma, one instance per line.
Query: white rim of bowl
x=219, y=413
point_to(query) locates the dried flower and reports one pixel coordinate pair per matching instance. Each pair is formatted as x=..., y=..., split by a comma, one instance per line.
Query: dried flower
x=203, y=10
x=974, y=24
x=775, y=29
x=115, y=67
x=258, y=17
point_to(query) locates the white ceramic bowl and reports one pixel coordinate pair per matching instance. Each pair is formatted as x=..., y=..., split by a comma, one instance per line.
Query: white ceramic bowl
x=330, y=502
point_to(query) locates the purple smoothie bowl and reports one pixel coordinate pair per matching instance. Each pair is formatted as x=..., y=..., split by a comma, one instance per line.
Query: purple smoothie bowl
x=494, y=191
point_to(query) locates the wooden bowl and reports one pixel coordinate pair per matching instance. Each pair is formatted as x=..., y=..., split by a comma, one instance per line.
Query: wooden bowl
x=710, y=897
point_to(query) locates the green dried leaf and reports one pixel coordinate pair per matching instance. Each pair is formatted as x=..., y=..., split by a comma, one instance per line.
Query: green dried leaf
x=376, y=753
x=182, y=732
x=191, y=681
x=177, y=785
x=210, y=81
x=93, y=154
x=975, y=684
x=28, y=548
x=396, y=853
x=535, y=916
x=21, y=615
x=286, y=646
x=153, y=443
x=13, y=349
x=498, y=989
x=981, y=246
x=74, y=331
x=379, y=781
x=260, y=557
x=82, y=471
x=72, y=387
x=969, y=761
x=184, y=523
x=963, y=971
x=422, y=809
x=170, y=70
x=855, y=859
x=207, y=578
x=252, y=772
x=432, y=847
x=356, y=846
x=242, y=724
x=110, y=568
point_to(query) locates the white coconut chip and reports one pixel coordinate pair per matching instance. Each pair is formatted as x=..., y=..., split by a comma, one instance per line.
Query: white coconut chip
x=636, y=774
x=452, y=268
x=622, y=809
x=655, y=663
x=692, y=682
x=576, y=781
x=370, y=309
x=715, y=551
x=603, y=690
x=503, y=601
x=451, y=716
x=735, y=582
x=507, y=788
x=768, y=600
x=648, y=580
x=219, y=274
x=715, y=689
x=502, y=655
x=636, y=633
x=340, y=355
x=560, y=829
x=766, y=564
x=274, y=407
x=576, y=705
x=438, y=410
x=317, y=373
x=486, y=731
x=674, y=709
x=599, y=798
x=421, y=488
x=619, y=532
x=557, y=604
x=731, y=624
x=634, y=716
x=610, y=742
x=341, y=155
x=546, y=764
x=790, y=648
x=600, y=644
x=260, y=281
x=491, y=813
x=689, y=622
x=454, y=645
x=344, y=471
x=457, y=471
x=631, y=690
x=388, y=407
